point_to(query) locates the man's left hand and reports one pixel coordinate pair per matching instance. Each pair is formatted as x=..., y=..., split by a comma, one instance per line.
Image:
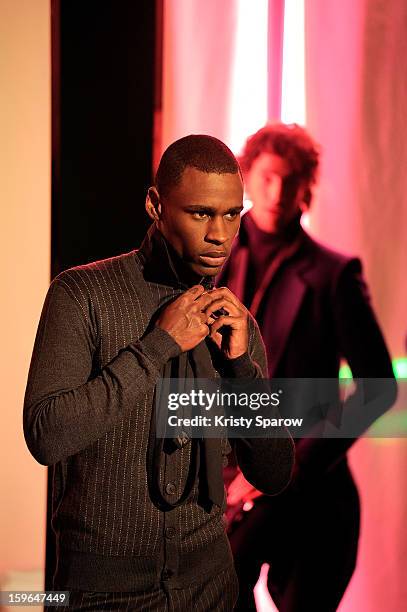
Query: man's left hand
x=240, y=490
x=235, y=342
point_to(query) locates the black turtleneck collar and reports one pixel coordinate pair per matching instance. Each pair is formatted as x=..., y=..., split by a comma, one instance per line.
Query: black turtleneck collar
x=163, y=265
x=264, y=247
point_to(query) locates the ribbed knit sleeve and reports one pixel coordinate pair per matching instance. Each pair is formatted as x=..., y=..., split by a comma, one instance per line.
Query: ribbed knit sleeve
x=67, y=407
x=253, y=363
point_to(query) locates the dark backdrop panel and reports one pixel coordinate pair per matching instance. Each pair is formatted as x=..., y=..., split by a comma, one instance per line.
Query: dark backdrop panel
x=105, y=103
x=103, y=73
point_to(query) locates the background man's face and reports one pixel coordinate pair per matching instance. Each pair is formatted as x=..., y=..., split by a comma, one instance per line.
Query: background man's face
x=275, y=192
x=200, y=217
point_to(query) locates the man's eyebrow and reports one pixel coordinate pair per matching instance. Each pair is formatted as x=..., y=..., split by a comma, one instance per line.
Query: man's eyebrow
x=210, y=209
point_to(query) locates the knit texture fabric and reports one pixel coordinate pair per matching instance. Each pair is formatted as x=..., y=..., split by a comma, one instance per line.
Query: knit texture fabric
x=87, y=409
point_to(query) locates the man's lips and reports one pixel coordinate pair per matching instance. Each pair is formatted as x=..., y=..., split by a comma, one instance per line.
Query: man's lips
x=213, y=259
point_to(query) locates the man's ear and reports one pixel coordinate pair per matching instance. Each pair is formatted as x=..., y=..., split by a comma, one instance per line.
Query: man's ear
x=153, y=204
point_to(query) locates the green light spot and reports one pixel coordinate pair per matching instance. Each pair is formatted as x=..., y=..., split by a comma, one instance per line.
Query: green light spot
x=400, y=367
x=345, y=371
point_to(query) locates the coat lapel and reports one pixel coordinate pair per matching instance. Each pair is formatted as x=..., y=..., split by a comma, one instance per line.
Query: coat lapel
x=283, y=310
x=237, y=272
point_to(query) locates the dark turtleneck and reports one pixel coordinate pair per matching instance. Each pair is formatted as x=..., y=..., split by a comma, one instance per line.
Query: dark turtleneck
x=87, y=412
x=163, y=265
x=263, y=247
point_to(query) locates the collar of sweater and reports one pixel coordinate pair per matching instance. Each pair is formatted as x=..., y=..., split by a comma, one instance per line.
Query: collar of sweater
x=163, y=265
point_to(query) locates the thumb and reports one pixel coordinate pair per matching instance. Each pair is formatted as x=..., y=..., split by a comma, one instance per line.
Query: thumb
x=264, y=572
x=194, y=291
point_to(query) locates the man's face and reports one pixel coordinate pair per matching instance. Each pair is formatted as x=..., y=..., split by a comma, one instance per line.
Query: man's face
x=200, y=217
x=276, y=193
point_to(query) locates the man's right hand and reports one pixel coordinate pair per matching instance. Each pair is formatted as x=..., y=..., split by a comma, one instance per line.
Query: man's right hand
x=184, y=320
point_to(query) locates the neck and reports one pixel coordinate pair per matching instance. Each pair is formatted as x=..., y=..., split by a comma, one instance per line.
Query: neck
x=184, y=274
x=165, y=266
x=267, y=225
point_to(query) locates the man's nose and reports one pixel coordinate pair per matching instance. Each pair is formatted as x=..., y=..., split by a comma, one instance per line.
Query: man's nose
x=216, y=231
x=274, y=189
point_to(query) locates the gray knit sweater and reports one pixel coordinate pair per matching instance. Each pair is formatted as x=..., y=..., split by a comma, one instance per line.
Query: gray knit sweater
x=87, y=412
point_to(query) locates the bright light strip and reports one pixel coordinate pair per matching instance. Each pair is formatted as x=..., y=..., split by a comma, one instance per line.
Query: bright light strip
x=293, y=105
x=248, y=99
x=399, y=369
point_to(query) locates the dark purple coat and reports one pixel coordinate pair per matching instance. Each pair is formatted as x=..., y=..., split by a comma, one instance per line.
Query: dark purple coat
x=313, y=311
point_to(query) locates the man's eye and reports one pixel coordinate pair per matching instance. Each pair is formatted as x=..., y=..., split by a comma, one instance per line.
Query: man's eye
x=232, y=215
x=199, y=215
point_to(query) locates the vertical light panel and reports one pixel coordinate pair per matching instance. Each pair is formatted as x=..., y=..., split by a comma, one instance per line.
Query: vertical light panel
x=25, y=196
x=198, y=55
x=248, y=99
x=293, y=107
x=275, y=57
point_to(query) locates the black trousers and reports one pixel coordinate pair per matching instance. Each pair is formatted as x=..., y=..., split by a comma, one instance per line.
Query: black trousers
x=310, y=540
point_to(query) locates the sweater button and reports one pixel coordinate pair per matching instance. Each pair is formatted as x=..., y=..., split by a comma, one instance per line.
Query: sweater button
x=166, y=574
x=171, y=489
x=170, y=532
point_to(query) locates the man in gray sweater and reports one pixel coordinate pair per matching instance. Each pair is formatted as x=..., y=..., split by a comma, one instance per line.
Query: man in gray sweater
x=134, y=530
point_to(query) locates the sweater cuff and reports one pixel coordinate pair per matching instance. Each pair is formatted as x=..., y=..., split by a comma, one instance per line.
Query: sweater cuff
x=159, y=346
x=240, y=367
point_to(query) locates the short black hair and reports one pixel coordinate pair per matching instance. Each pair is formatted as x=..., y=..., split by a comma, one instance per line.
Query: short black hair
x=205, y=153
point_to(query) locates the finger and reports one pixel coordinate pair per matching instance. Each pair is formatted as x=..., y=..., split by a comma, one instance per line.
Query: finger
x=233, y=322
x=205, y=331
x=216, y=338
x=225, y=303
x=213, y=294
x=252, y=494
x=264, y=571
x=194, y=292
x=203, y=301
x=205, y=319
x=225, y=292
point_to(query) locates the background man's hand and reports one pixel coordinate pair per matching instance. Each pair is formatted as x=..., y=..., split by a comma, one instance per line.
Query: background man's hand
x=234, y=342
x=184, y=318
x=240, y=490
